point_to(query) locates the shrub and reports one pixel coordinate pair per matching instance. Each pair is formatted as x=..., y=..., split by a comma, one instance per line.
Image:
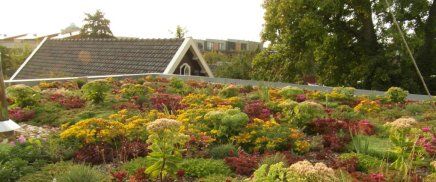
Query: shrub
x=82, y=173
x=216, y=178
x=345, y=112
x=365, y=162
x=95, y=154
x=290, y=92
x=243, y=164
x=229, y=91
x=226, y=123
x=22, y=95
x=96, y=90
x=20, y=114
x=396, y=94
x=222, y=151
x=204, y=167
x=306, y=111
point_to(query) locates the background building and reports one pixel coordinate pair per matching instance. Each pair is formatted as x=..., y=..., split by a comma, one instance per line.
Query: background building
x=228, y=46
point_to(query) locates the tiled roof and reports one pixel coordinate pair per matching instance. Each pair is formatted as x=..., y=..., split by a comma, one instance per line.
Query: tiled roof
x=91, y=57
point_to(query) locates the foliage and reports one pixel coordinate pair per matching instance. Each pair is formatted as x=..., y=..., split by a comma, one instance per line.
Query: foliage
x=365, y=162
x=226, y=124
x=275, y=158
x=307, y=111
x=243, y=164
x=135, y=91
x=396, y=94
x=94, y=130
x=269, y=136
x=20, y=115
x=238, y=66
x=222, y=151
x=47, y=173
x=22, y=95
x=229, y=91
x=96, y=91
x=204, y=167
x=290, y=92
x=82, y=173
x=167, y=102
x=304, y=35
x=165, y=141
x=178, y=86
x=132, y=166
x=12, y=58
x=180, y=32
x=96, y=26
x=257, y=109
x=342, y=93
x=271, y=173
x=306, y=171
x=367, y=106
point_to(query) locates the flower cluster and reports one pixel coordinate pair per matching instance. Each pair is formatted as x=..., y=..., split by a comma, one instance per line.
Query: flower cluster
x=309, y=172
x=367, y=106
x=401, y=123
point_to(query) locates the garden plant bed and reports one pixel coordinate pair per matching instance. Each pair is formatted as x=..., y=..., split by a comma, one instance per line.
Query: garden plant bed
x=159, y=129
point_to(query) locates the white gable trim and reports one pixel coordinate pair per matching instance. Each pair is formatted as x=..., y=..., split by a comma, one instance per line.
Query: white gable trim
x=184, y=48
x=28, y=59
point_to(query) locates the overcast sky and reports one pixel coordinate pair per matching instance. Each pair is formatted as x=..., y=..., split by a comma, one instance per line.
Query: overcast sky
x=221, y=19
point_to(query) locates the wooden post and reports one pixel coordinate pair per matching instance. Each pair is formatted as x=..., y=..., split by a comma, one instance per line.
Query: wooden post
x=6, y=125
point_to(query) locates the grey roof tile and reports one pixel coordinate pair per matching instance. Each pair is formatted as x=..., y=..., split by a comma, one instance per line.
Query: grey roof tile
x=89, y=57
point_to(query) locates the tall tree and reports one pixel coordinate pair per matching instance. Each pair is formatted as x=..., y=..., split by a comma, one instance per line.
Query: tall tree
x=180, y=32
x=342, y=42
x=96, y=26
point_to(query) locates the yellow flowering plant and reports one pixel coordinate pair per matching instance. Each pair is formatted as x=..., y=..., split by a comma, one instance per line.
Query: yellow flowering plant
x=269, y=135
x=94, y=130
x=367, y=106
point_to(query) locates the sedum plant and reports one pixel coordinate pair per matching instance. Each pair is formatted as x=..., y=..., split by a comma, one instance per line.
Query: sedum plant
x=396, y=94
x=22, y=95
x=226, y=123
x=166, y=141
x=96, y=90
x=307, y=111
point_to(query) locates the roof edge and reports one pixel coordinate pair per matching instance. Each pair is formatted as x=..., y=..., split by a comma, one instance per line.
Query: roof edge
x=28, y=58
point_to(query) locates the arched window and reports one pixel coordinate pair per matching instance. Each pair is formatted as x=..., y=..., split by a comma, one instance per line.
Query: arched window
x=185, y=69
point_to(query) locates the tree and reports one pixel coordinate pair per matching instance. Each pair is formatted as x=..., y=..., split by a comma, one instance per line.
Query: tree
x=71, y=28
x=12, y=58
x=344, y=42
x=180, y=32
x=96, y=26
x=236, y=66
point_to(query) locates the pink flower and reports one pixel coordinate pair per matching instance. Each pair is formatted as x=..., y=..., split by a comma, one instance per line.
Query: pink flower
x=425, y=129
x=21, y=139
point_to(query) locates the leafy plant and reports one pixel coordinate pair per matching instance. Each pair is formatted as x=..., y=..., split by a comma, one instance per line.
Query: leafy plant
x=204, y=167
x=307, y=111
x=396, y=94
x=165, y=153
x=22, y=95
x=226, y=123
x=20, y=114
x=365, y=162
x=96, y=90
x=243, y=164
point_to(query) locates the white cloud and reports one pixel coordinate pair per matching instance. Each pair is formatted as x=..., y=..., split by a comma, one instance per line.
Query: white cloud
x=238, y=19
